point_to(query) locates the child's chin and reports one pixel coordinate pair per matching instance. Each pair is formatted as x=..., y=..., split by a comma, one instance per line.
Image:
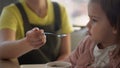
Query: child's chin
x=94, y=39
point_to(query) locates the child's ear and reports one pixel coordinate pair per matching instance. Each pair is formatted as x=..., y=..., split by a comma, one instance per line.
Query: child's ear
x=114, y=30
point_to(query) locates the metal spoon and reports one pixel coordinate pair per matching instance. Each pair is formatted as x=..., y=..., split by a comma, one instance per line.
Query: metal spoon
x=58, y=35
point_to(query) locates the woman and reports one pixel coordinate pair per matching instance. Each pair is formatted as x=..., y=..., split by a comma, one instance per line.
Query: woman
x=39, y=13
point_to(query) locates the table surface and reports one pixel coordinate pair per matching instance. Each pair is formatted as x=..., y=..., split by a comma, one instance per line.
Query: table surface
x=14, y=64
x=33, y=66
x=9, y=64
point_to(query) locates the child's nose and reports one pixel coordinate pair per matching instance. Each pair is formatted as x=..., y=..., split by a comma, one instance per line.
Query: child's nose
x=88, y=25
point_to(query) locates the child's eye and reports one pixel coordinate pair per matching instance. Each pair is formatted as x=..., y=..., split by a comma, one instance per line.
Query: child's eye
x=94, y=20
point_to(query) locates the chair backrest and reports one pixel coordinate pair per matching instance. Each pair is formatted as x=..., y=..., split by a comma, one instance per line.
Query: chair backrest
x=77, y=36
x=4, y=3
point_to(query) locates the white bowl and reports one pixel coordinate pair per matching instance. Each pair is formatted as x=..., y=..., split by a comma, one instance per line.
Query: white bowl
x=58, y=64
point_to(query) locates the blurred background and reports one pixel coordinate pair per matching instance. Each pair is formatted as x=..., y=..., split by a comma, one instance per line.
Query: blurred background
x=77, y=13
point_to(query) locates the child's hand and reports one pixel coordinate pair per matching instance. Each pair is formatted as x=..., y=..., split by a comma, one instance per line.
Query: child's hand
x=85, y=59
x=36, y=37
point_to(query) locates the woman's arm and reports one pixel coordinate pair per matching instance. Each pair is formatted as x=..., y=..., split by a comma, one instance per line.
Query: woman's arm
x=11, y=48
x=65, y=48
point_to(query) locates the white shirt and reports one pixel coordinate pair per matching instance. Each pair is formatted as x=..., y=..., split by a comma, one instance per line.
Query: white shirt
x=101, y=56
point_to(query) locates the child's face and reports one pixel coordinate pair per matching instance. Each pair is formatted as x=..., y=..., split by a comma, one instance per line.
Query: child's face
x=99, y=27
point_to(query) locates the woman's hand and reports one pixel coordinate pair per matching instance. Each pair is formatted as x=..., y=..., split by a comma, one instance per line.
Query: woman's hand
x=36, y=37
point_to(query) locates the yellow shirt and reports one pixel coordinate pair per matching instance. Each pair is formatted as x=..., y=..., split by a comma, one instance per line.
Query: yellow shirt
x=11, y=18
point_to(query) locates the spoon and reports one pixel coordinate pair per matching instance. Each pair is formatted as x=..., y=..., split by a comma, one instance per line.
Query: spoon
x=58, y=35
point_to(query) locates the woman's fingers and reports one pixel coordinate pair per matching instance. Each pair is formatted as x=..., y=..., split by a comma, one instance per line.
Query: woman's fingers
x=39, y=42
x=36, y=37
